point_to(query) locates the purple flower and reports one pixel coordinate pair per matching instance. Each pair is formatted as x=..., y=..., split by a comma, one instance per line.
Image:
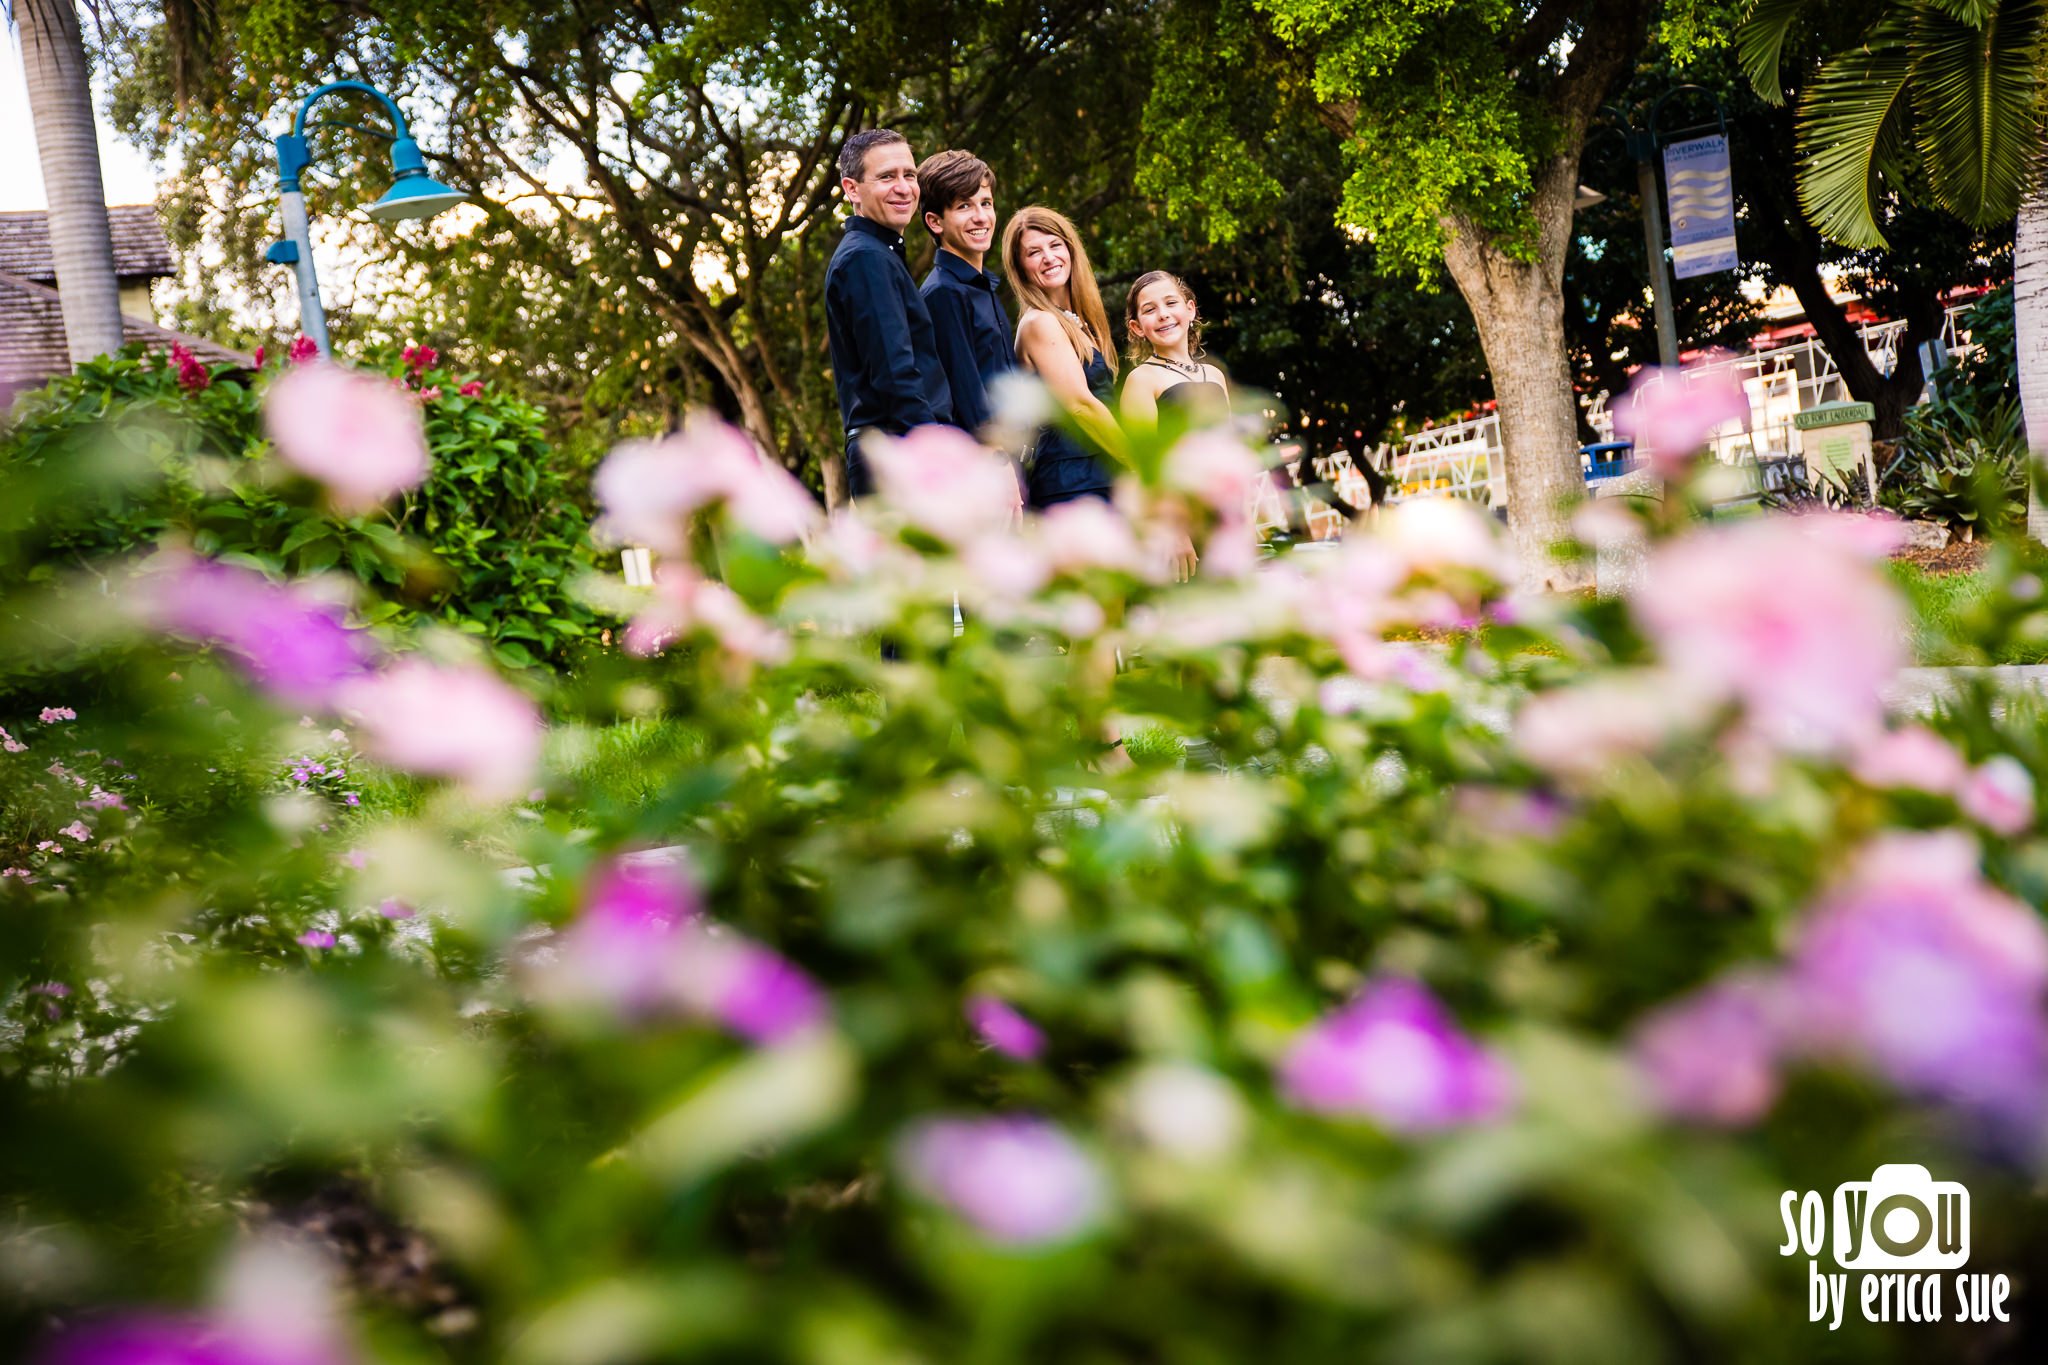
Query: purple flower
x=56, y=989
x=101, y=799
x=1394, y=1055
x=316, y=938
x=394, y=908
x=1669, y=416
x=1019, y=1181
x=351, y=799
x=1917, y=966
x=1004, y=1029
x=52, y=714
x=292, y=645
x=139, y=1339
x=1712, y=1056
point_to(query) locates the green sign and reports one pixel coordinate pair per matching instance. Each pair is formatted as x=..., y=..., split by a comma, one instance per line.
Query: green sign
x=1834, y=415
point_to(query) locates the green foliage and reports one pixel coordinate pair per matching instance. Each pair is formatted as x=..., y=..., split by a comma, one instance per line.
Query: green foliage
x=488, y=545
x=1963, y=459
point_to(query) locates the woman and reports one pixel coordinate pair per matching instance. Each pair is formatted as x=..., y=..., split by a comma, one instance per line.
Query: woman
x=1167, y=369
x=1063, y=338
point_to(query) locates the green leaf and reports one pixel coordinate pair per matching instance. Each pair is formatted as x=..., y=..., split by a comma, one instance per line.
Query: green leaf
x=1760, y=44
x=1851, y=122
x=304, y=534
x=1974, y=92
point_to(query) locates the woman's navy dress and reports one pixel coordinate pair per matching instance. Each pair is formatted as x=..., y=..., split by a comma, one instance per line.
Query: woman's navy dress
x=1064, y=468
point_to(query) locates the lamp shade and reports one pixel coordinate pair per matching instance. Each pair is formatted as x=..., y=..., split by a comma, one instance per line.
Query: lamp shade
x=416, y=195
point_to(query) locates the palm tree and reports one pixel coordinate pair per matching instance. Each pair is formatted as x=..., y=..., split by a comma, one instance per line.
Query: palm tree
x=1940, y=96
x=60, y=105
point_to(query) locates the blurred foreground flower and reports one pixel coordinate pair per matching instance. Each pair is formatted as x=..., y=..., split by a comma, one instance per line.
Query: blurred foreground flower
x=357, y=434
x=641, y=947
x=647, y=491
x=1670, y=416
x=1003, y=1028
x=1018, y=1180
x=291, y=644
x=459, y=722
x=1916, y=964
x=1394, y=1055
x=684, y=601
x=1712, y=1057
x=1787, y=615
x=944, y=482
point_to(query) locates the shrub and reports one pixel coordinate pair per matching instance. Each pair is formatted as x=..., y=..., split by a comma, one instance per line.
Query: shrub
x=1478, y=991
x=1963, y=458
x=130, y=449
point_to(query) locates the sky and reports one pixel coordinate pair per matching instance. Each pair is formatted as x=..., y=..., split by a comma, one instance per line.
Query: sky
x=129, y=177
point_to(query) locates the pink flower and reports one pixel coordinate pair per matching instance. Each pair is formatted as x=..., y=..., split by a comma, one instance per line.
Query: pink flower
x=1003, y=567
x=1670, y=415
x=26, y=878
x=648, y=490
x=49, y=846
x=1712, y=1057
x=1088, y=534
x=750, y=989
x=316, y=938
x=102, y=799
x=1916, y=965
x=10, y=744
x=471, y=389
x=458, y=722
x=1999, y=795
x=1912, y=758
x=193, y=376
x=291, y=644
x=259, y=357
x=52, y=714
x=355, y=433
x=76, y=830
x=1215, y=467
x=303, y=351
x=1003, y=1028
x=419, y=358
x=944, y=483
x=1018, y=1181
x=1583, y=731
x=683, y=602
x=1394, y=1055
x=394, y=908
x=430, y=394
x=1781, y=614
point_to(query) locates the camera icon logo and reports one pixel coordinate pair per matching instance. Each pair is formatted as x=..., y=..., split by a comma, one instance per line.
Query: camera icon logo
x=1902, y=1218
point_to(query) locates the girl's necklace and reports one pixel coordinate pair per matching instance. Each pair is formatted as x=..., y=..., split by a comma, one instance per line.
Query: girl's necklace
x=1188, y=368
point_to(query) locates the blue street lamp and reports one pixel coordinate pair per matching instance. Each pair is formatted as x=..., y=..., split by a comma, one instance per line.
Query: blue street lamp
x=413, y=194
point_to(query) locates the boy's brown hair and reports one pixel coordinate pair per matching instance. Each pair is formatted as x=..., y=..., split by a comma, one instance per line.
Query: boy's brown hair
x=945, y=179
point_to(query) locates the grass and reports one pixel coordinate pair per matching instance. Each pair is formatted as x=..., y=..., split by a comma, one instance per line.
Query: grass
x=1941, y=604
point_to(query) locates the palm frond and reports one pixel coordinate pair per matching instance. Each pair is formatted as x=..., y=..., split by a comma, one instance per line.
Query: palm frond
x=1851, y=121
x=1974, y=105
x=1975, y=13
x=1760, y=44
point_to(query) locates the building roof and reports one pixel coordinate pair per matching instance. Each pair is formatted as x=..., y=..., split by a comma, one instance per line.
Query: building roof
x=32, y=349
x=140, y=251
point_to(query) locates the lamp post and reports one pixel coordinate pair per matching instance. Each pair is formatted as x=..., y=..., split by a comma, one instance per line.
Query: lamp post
x=413, y=194
x=1645, y=144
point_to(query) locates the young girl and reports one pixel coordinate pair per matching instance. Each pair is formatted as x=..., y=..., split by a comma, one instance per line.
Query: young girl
x=1063, y=338
x=1165, y=331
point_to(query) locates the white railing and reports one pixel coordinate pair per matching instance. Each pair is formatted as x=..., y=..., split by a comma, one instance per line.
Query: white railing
x=1463, y=459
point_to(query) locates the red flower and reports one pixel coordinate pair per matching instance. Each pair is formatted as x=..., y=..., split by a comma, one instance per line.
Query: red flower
x=193, y=375
x=304, y=350
x=472, y=388
x=259, y=357
x=419, y=358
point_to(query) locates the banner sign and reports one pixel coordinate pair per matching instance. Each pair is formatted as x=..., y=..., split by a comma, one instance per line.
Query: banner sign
x=1699, y=194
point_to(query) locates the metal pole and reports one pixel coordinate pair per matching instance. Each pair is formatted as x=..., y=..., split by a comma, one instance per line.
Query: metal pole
x=312, y=317
x=1653, y=244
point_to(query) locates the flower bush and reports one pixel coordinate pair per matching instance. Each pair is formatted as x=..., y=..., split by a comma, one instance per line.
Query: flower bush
x=487, y=538
x=1471, y=989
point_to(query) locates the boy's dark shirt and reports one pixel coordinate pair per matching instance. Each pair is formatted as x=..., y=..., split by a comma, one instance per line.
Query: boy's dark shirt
x=885, y=362
x=973, y=330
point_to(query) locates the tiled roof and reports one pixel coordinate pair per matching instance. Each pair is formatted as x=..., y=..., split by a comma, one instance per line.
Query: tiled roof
x=140, y=251
x=32, y=338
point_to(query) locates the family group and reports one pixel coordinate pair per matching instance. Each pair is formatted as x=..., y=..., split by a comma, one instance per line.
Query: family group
x=904, y=355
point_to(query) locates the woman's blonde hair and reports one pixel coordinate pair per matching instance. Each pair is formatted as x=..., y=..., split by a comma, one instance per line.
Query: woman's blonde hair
x=1081, y=287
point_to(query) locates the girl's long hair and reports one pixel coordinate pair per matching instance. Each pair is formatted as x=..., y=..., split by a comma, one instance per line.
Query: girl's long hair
x=1081, y=287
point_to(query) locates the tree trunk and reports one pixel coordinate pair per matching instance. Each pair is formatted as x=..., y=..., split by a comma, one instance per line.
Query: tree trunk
x=2030, y=327
x=1518, y=307
x=81, y=246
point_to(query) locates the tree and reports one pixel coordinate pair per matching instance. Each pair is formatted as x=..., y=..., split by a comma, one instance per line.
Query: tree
x=1463, y=123
x=67, y=141
x=1934, y=96
x=655, y=181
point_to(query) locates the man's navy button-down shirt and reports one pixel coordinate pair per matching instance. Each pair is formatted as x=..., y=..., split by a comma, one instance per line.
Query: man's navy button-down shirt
x=885, y=362
x=973, y=330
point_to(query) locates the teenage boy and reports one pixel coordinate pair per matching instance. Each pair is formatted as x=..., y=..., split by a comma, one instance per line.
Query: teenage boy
x=973, y=327
x=885, y=361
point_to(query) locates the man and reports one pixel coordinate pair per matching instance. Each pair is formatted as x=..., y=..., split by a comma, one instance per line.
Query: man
x=972, y=326
x=885, y=360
